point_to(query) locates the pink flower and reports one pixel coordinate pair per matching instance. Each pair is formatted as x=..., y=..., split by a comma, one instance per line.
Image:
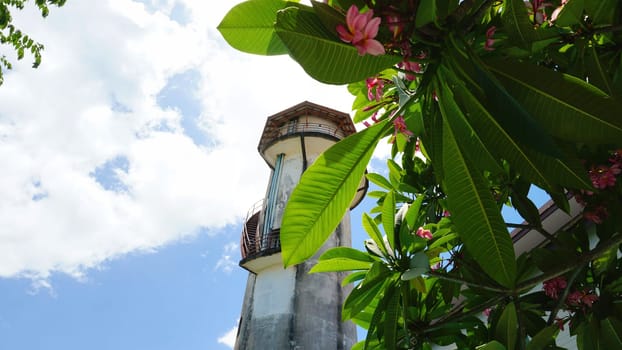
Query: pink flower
x=361, y=30
x=412, y=67
x=400, y=128
x=489, y=40
x=577, y=298
x=395, y=25
x=603, y=176
x=376, y=85
x=535, y=8
x=553, y=286
x=487, y=311
x=596, y=215
x=423, y=233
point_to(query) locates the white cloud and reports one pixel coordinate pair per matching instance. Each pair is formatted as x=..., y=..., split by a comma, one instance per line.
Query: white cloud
x=94, y=100
x=228, y=262
x=228, y=338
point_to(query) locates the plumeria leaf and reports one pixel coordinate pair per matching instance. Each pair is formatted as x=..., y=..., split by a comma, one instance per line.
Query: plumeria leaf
x=493, y=345
x=362, y=295
x=611, y=333
x=379, y=180
x=388, y=218
x=601, y=11
x=321, y=54
x=566, y=106
x=507, y=327
x=571, y=13
x=544, y=338
x=468, y=137
x=543, y=170
x=343, y=259
x=419, y=264
x=475, y=213
x=519, y=27
x=249, y=27
x=324, y=193
x=376, y=245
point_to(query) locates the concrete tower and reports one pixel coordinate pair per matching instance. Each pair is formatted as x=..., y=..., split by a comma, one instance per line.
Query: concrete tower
x=288, y=308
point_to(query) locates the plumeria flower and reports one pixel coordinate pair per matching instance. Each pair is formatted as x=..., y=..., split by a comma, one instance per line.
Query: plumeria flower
x=557, y=11
x=410, y=66
x=535, y=8
x=489, y=40
x=361, y=30
x=577, y=298
x=375, y=88
x=395, y=25
x=603, y=176
x=597, y=215
x=400, y=127
x=553, y=286
x=423, y=233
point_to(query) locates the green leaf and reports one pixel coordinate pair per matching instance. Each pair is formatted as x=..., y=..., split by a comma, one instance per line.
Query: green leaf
x=419, y=264
x=343, y=259
x=543, y=170
x=249, y=27
x=507, y=327
x=611, y=333
x=493, y=345
x=601, y=11
x=324, y=193
x=366, y=291
x=388, y=218
x=517, y=23
x=467, y=136
x=566, y=106
x=426, y=13
x=475, y=213
x=571, y=14
x=543, y=338
x=321, y=54
x=379, y=180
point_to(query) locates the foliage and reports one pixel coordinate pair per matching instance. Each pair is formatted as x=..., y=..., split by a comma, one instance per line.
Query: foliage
x=482, y=100
x=12, y=36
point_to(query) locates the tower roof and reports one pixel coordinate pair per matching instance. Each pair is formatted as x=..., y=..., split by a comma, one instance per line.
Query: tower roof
x=275, y=123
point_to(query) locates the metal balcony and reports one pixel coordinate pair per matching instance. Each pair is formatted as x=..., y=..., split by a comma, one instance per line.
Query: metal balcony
x=254, y=242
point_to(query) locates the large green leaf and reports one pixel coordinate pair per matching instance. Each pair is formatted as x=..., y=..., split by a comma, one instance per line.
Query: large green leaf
x=475, y=212
x=543, y=170
x=467, y=136
x=343, y=259
x=249, y=27
x=324, y=193
x=566, y=106
x=321, y=54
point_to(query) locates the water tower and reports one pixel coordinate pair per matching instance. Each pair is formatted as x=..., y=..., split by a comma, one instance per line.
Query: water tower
x=288, y=308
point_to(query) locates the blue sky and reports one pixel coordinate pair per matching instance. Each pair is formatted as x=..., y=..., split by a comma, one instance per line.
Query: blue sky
x=130, y=160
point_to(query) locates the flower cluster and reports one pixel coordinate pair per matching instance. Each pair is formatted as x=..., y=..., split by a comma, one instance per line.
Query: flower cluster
x=578, y=299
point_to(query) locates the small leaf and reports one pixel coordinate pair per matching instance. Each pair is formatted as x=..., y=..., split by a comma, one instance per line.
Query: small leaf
x=611, y=333
x=379, y=180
